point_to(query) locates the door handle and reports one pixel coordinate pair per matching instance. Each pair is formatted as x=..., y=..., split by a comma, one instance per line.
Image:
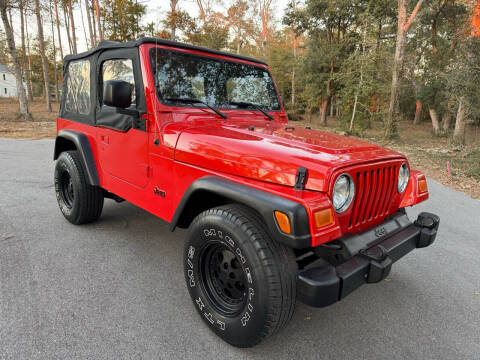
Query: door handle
x=104, y=139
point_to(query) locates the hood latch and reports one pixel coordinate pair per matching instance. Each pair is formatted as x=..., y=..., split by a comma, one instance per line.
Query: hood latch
x=301, y=178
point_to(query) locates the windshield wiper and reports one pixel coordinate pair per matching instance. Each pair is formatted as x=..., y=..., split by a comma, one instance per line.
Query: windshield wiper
x=196, y=101
x=255, y=106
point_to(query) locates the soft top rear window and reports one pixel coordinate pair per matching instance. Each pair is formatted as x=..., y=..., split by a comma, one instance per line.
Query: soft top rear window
x=77, y=91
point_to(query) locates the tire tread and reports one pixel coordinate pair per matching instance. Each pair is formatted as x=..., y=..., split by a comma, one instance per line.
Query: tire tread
x=277, y=260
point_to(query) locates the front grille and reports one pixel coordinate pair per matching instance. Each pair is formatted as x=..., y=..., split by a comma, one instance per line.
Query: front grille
x=375, y=188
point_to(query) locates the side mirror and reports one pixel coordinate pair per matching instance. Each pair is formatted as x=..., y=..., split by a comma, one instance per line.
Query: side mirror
x=117, y=93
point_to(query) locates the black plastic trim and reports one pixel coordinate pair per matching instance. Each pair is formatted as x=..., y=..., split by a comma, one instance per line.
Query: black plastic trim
x=106, y=44
x=325, y=284
x=83, y=146
x=263, y=202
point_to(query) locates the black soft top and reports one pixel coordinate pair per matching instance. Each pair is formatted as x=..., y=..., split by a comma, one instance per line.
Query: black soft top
x=107, y=44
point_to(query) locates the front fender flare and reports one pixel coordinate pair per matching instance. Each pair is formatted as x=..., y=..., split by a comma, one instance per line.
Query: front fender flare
x=83, y=147
x=263, y=202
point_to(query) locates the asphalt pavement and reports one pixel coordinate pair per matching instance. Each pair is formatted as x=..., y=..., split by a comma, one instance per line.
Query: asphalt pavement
x=115, y=289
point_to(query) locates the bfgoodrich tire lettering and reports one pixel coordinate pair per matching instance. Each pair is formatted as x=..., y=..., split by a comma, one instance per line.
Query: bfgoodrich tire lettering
x=79, y=202
x=249, y=291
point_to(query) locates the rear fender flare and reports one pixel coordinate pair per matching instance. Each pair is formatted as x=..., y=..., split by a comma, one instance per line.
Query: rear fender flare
x=64, y=141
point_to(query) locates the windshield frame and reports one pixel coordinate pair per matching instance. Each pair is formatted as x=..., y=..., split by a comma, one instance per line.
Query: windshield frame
x=215, y=58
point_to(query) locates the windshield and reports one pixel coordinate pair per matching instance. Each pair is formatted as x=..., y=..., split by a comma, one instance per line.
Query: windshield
x=216, y=82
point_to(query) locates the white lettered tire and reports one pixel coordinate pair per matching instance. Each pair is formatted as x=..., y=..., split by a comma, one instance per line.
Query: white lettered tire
x=241, y=281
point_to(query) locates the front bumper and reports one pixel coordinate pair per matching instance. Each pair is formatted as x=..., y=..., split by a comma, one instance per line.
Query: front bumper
x=370, y=256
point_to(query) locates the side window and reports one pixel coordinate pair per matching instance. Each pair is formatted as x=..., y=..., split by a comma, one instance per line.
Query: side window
x=77, y=97
x=119, y=69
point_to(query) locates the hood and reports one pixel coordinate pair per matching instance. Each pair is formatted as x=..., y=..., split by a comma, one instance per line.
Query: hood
x=273, y=152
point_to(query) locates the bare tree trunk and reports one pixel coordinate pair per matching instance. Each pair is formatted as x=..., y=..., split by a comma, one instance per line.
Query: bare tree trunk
x=58, y=29
x=42, y=54
x=201, y=9
x=295, y=41
x=22, y=98
x=239, y=45
x=25, y=66
x=99, y=25
x=323, y=112
x=264, y=10
x=325, y=102
x=446, y=121
x=402, y=28
x=360, y=84
x=94, y=26
x=55, y=75
x=418, y=112
x=295, y=44
x=173, y=25
x=353, y=112
x=89, y=20
x=332, y=107
x=435, y=122
x=72, y=23
x=29, y=72
x=22, y=34
x=459, y=132
x=293, y=86
x=10, y=18
x=67, y=26
x=89, y=45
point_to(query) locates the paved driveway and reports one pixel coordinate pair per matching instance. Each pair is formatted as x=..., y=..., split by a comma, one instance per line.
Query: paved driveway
x=115, y=289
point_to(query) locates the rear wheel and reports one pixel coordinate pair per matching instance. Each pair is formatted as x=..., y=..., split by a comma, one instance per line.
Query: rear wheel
x=241, y=281
x=79, y=202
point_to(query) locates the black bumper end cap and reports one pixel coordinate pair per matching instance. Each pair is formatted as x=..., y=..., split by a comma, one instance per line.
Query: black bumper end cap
x=318, y=286
x=428, y=223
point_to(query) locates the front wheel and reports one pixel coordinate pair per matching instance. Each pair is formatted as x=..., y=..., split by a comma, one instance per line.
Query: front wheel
x=241, y=281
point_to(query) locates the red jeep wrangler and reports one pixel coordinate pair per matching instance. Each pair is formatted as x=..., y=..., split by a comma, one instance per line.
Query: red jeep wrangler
x=275, y=212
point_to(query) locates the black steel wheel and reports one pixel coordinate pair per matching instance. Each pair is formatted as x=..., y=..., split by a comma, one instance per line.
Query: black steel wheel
x=242, y=283
x=66, y=188
x=79, y=202
x=223, y=278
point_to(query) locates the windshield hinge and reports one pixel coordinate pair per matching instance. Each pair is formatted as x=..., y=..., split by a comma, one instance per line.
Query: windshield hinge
x=301, y=179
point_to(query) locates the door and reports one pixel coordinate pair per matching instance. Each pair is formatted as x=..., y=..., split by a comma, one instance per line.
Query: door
x=122, y=138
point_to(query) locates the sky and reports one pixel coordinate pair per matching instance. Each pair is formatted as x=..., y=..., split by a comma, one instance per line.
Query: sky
x=156, y=10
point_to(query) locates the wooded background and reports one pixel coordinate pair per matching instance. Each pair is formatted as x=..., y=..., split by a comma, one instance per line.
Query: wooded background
x=369, y=63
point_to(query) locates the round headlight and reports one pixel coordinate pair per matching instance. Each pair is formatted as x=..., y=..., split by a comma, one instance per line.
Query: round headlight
x=403, y=177
x=343, y=192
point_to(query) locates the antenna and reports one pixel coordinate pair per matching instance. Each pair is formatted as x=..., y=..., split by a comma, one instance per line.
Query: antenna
x=155, y=98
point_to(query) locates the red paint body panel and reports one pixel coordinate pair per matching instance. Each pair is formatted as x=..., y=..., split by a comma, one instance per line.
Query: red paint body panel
x=194, y=142
x=272, y=152
x=413, y=195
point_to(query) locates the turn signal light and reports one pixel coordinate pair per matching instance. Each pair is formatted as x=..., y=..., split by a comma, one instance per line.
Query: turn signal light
x=323, y=218
x=283, y=222
x=422, y=185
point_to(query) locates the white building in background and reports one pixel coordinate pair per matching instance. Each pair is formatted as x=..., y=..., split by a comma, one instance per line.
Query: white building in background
x=8, y=85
